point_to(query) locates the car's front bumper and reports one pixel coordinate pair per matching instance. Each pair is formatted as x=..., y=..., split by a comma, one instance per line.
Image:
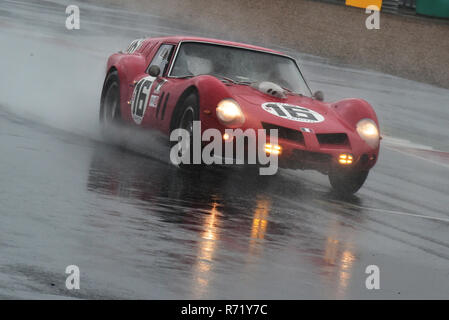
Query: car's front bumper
x=321, y=152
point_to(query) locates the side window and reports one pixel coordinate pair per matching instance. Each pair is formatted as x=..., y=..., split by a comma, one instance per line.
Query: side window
x=162, y=57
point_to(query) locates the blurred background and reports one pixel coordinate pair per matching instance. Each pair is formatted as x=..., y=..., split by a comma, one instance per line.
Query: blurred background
x=412, y=41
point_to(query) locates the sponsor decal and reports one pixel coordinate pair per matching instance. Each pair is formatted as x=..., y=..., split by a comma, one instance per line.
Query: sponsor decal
x=159, y=86
x=153, y=100
x=292, y=112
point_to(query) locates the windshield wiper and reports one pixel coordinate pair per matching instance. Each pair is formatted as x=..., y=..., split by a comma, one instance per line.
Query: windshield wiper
x=287, y=89
x=224, y=78
x=207, y=74
x=291, y=91
x=245, y=83
x=185, y=76
x=230, y=80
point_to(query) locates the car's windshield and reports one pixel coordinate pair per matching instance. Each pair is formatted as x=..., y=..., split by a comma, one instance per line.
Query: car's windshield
x=240, y=65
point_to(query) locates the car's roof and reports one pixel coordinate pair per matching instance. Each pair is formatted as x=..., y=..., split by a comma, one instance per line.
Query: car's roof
x=177, y=39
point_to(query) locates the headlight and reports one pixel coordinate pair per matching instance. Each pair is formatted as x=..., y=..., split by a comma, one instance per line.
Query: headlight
x=367, y=130
x=228, y=111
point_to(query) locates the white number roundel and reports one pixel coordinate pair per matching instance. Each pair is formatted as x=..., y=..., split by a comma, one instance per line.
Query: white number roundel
x=292, y=112
x=139, y=100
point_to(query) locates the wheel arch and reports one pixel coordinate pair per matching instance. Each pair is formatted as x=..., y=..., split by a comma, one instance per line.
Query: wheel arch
x=177, y=110
x=104, y=89
x=110, y=70
x=352, y=110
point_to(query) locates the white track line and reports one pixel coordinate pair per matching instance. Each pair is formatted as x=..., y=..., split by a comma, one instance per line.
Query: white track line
x=386, y=211
x=392, y=148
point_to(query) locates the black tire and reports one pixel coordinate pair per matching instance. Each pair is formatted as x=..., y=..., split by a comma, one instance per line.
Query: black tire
x=110, y=115
x=188, y=112
x=347, y=182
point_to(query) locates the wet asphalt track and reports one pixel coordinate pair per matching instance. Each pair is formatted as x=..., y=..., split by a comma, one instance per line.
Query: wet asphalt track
x=140, y=228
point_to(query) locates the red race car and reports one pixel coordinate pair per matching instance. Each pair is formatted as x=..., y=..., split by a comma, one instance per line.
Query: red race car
x=170, y=83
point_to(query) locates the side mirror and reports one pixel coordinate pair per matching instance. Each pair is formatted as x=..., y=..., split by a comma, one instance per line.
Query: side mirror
x=318, y=95
x=154, y=71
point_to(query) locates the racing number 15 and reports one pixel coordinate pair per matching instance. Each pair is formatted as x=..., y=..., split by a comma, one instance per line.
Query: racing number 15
x=293, y=112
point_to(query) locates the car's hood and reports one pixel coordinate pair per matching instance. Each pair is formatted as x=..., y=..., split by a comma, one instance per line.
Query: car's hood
x=259, y=106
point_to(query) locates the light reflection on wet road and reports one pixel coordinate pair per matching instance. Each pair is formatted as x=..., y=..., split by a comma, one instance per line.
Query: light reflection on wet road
x=140, y=228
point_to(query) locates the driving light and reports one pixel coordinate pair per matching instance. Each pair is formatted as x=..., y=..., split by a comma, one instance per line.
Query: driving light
x=367, y=130
x=273, y=149
x=345, y=158
x=228, y=111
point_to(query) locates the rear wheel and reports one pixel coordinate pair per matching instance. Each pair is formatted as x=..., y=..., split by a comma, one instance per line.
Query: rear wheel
x=110, y=117
x=347, y=182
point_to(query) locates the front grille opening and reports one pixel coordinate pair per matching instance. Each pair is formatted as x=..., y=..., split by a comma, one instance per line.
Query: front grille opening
x=302, y=155
x=364, y=158
x=285, y=133
x=335, y=139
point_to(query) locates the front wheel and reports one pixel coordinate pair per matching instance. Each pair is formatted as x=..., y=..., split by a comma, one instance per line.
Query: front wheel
x=188, y=114
x=347, y=182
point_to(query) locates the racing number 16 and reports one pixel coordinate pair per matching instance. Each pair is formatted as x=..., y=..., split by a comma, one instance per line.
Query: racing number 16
x=141, y=98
